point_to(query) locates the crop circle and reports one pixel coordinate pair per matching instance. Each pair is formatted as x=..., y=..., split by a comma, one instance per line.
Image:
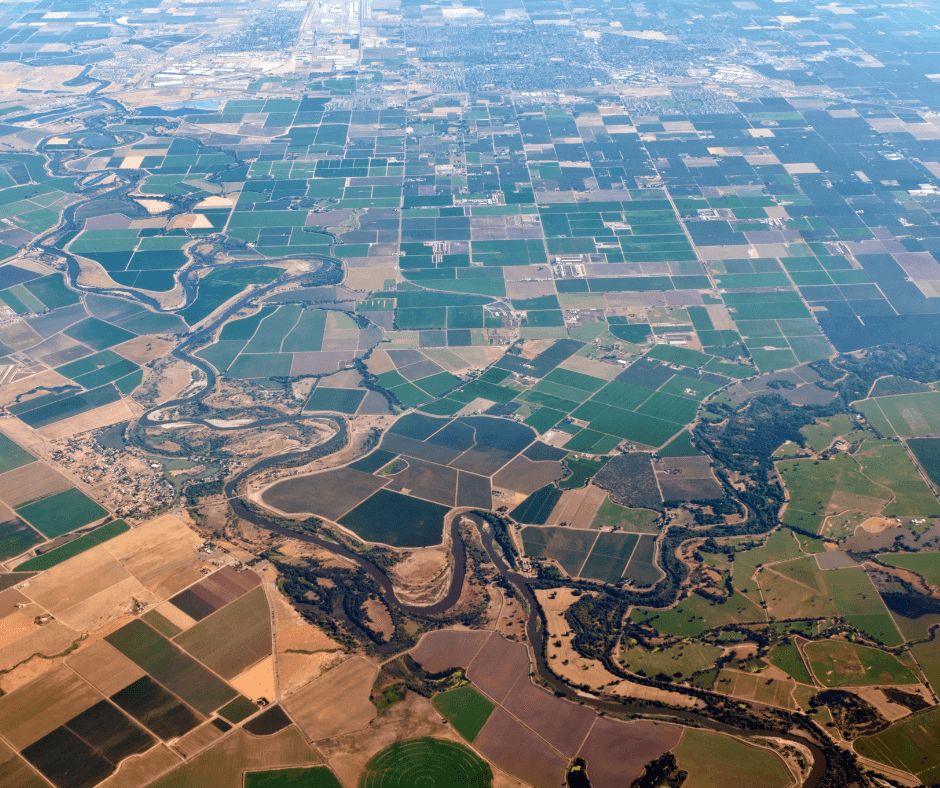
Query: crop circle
x=426, y=763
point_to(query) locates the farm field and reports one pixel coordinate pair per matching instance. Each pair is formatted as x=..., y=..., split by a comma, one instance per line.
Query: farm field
x=790, y=661
x=297, y=777
x=679, y=661
x=912, y=745
x=712, y=759
x=421, y=762
x=694, y=616
x=466, y=709
x=837, y=663
x=926, y=564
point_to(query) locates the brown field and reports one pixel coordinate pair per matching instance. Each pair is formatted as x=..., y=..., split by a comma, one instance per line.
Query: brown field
x=10, y=391
x=337, y=702
x=578, y=508
x=329, y=494
x=498, y=666
x=842, y=501
x=876, y=697
x=257, y=681
x=43, y=705
x=222, y=766
x=616, y=752
x=233, y=638
x=197, y=739
x=297, y=670
x=104, y=667
x=427, y=480
x=16, y=774
x=448, y=648
x=48, y=640
x=31, y=482
x=140, y=769
x=525, y=477
x=104, y=416
x=517, y=750
x=588, y=366
x=161, y=554
x=562, y=724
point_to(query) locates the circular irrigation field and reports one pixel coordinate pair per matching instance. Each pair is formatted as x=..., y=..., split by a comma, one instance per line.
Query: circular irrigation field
x=426, y=763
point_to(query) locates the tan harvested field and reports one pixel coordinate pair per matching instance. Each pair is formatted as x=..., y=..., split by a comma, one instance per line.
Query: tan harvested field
x=295, y=671
x=448, y=648
x=571, y=666
x=302, y=636
x=48, y=640
x=197, y=739
x=161, y=554
x=144, y=348
x=31, y=482
x=257, y=681
x=592, y=367
x=222, y=766
x=104, y=416
x=876, y=697
x=525, y=477
x=19, y=624
x=380, y=362
x=578, y=508
x=337, y=702
x=842, y=501
x=515, y=749
x=25, y=672
x=10, y=391
x=87, y=589
x=140, y=769
x=498, y=666
x=43, y=705
x=104, y=667
x=16, y=774
x=616, y=752
x=174, y=615
x=561, y=723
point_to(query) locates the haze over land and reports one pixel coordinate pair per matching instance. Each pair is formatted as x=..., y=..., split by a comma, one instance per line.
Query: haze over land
x=483, y=392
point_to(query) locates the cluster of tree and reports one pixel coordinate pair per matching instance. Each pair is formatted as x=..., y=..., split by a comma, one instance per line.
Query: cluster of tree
x=664, y=772
x=853, y=716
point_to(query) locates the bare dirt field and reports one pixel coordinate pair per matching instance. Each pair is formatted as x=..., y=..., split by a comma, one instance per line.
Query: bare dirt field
x=48, y=640
x=561, y=723
x=257, y=681
x=196, y=739
x=104, y=416
x=31, y=482
x=330, y=494
x=514, y=748
x=337, y=702
x=616, y=752
x=498, y=666
x=449, y=648
x=525, y=477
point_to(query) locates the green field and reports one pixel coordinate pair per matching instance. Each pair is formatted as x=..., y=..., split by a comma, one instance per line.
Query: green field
x=712, y=759
x=397, y=520
x=789, y=660
x=426, y=763
x=16, y=537
x=886, y=463
x=858, y=600
x=613, y=515
x=60, y=513
x=912, y=745
x=696, y=615
x=568, y=546
x=679, y=661
x=581, y=469
x=466, y=709
x=12, y=456
x=910, y=415
x=838, y=663
x=338, y=400
x=298, y=777
x=536, y=509
x=927, y=565
x=80, y=545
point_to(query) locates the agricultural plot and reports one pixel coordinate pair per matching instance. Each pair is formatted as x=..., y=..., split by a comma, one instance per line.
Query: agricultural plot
x=612, y=515
x=695, y=615
x=756, y=687
x=858, y=600
x=926, y=564
x=912, y=745
x=466, y=709
x=12, y=455
x=886, y=463
x=398, y=520
x=298, y=777
x=425, y=762
x=908, y=415
x=790, y=661
x=838, y=663
x=570, y=547
x=75, y=547
x=714, y=759
x=679, y=661
x=60, y=513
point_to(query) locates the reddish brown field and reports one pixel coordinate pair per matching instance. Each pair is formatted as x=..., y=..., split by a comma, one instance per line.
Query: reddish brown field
x=616, y=752
x=498, y=666
x=524, y=476
x=515, y=749
x=562, y=724
x=448, y=649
